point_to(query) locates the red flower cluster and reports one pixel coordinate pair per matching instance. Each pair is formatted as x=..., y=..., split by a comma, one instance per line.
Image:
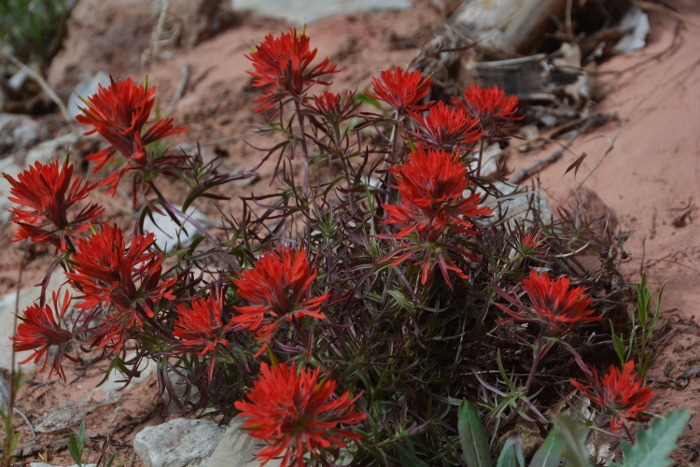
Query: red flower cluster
x=492, y=107
x=552, y=303
x=105, y=271
x=284, y=62
x=47, y=191
x=40, y=329
x=431, y=184
x=278, y=288
x=402, y=90
x=620, y=392
x=201, y=325
x=119, y=114
x=291, y=410
x=446, y=128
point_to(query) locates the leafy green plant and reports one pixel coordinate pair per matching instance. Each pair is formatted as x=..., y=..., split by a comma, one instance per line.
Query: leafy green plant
x=34, y=29
x=76, y=444
x=643, y=324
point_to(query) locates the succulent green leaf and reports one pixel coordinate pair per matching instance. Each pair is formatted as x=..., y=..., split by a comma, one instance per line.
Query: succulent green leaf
x=549, y=454
x=653, y=446
x=512, y=454
x=472, y=437
x=572, y=436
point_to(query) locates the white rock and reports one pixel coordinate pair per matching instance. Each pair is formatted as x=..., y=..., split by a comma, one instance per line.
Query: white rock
x=178, y=443
x=27, y=297
x=236, y=448
x=300, y=12
x=167, y=232
x=85, y=89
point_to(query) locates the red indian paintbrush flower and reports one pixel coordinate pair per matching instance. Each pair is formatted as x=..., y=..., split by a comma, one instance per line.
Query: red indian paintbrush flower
x=620, y=392
x=284, y=64
x=553, y=303
x=119, y=114
x=200, y=325
x=446, y=128
x=492, y=107
x=402, y=90
x=278, y=288
x=40, y=329
x=292, y=411
x=431, y=184
x=46, y=190
x=106, y=272
x=333, y=107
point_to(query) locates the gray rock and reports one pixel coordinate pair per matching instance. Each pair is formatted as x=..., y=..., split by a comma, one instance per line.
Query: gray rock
x=236, y=448
x=44, y=464
x=64, y=416
x=4, y=393
x=300, y=12
x=167, y=232
x=61, y=146
x=178, y=443
x=85, y=89
x=110, y=391
x=519, y=204
x=27, y=296
x=17, y=132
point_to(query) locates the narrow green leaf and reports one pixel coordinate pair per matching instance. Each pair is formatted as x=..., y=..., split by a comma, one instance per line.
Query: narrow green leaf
x=472, y=437
x=653, y=446
x=549, y=454
x=408, y=457
x=512, y=453
x=572, y=435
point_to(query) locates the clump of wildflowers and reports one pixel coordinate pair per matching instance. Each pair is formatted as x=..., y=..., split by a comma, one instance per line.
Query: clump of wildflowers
x=620, y=392
x=295, y=413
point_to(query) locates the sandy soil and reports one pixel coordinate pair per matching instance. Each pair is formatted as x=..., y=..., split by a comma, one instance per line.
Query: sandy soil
x=645, y=167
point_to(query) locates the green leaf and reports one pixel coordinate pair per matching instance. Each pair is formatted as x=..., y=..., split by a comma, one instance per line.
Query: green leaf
x=572, y=435
x=549, y=454
x=408, y=457
x=512, y=453
x=653, y=446
x=472, y=437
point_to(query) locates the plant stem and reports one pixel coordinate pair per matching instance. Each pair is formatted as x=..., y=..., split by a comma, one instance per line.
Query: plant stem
x=481, y=155
x=304, y=149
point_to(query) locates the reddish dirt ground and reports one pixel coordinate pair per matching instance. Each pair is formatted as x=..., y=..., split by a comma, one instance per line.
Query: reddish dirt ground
x=645, y=167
